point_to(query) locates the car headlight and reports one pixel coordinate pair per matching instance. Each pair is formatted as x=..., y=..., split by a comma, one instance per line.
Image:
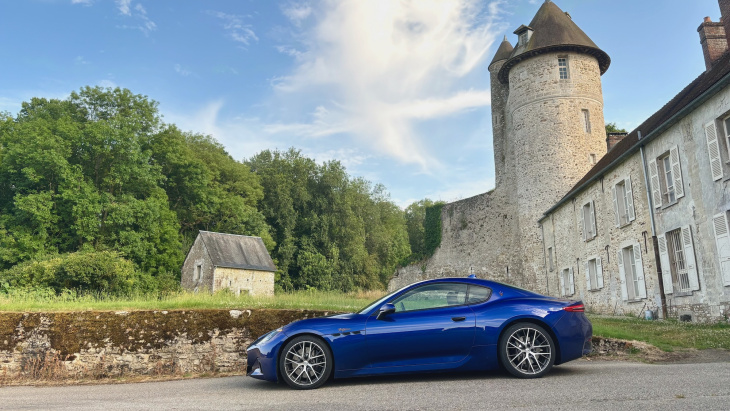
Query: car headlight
x=266, y=338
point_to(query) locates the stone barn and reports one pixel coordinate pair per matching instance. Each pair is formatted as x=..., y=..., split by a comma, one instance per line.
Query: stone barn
x=239, y=263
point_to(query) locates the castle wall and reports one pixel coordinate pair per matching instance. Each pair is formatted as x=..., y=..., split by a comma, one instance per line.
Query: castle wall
x=546, y=120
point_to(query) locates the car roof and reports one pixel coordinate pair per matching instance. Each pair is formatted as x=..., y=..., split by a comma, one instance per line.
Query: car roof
x=476, y=281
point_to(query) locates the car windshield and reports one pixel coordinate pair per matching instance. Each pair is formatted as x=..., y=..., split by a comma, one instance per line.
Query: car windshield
x=380, y=301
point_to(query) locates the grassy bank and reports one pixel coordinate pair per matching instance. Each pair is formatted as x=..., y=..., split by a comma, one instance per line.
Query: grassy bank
x=667, y=335
x=312, y=300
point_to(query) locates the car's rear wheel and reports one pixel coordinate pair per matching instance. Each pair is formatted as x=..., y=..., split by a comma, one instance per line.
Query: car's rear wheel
x=526, y=350
x=305, y=362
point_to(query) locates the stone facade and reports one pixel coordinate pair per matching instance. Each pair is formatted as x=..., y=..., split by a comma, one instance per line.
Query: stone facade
x=197, y=257
x=238, y=280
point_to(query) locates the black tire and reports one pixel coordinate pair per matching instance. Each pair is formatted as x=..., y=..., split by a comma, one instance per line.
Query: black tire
x=305, y=362
x=526, y=350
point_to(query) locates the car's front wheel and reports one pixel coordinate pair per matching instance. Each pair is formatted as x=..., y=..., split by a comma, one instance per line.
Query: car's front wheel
x=526, y=350
x=305, y=362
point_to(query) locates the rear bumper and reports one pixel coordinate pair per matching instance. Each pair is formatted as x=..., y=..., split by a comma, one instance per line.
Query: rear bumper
x=575, y=333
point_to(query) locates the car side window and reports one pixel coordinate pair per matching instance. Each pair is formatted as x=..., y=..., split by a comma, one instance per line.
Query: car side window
x=431, y=296
x=478, y=294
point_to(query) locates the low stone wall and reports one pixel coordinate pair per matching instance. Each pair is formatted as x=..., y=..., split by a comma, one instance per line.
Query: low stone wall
x=106, y=344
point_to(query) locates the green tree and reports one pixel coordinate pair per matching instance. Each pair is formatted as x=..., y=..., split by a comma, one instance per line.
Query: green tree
x=613, y=128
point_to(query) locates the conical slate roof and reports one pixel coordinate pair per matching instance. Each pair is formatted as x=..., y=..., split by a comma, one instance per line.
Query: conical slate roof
x=554, y=31
x=504, y=51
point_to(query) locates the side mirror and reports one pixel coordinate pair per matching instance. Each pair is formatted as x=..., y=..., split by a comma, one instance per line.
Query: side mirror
x=384, y=310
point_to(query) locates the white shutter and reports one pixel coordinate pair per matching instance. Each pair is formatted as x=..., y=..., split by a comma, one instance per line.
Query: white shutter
x=676, y=172
x=588, y=276
x=722, y=238
x=713, y=150
x=689, y=254
x=656, y=192
x=629, y=199
x=572, y=282
x=615, y=206
x=594, y=232
x=664, y=263
x=622, y=275
x=562, y=283
x=599, y=273
x=639, y=271
x=581, y=225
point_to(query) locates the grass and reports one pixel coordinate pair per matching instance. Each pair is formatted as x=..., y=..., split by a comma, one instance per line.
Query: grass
x=310, y=300
x=667, y=335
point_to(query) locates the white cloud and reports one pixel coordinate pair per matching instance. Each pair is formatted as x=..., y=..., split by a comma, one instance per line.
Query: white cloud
x=84, y=2
x=384, y=66
x=80, y=61
x=124, y=6
x=235, y=28
x=297, y=12
x=107, y=83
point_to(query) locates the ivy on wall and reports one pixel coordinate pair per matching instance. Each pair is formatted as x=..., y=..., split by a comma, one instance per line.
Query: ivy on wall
x=432, y=228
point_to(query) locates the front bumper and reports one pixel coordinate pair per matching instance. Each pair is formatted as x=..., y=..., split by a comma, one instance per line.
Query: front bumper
x=261, y=361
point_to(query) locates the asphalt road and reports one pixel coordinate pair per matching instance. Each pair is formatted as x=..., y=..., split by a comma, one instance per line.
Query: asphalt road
x=583, y=385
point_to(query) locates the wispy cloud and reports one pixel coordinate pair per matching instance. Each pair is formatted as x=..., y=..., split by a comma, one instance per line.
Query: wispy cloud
x=80, y=61
x=83, y=2
x=384, y=67
x=297, y=12
x=182, y=71
x=138, y=13
x=235, y=28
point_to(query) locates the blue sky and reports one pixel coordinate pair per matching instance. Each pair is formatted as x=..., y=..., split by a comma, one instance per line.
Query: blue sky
x=398, y=91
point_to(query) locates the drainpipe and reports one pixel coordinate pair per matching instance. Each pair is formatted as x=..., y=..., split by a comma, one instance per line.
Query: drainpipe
x=654, y=241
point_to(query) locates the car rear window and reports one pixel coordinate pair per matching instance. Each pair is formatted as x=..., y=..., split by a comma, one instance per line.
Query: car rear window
x=478, y=294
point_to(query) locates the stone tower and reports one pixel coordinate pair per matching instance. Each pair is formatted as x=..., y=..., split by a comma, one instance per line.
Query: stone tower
x=553, y=118
x=548, y=129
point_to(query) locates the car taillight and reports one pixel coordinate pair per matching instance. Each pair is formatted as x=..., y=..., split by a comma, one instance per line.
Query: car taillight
x=576, y=308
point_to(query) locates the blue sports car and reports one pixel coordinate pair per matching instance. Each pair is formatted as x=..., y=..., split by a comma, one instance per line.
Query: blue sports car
x=433, y=325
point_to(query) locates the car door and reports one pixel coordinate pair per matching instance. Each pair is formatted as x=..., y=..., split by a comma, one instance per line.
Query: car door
x=431, y=325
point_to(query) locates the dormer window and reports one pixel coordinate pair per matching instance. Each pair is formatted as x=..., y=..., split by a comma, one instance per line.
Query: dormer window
x=523, y=35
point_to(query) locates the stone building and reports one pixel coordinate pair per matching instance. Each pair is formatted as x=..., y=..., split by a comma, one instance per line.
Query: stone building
x=641, y=226
x=239, y=263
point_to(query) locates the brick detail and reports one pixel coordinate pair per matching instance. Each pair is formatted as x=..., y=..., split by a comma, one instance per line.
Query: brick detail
x=713, y=41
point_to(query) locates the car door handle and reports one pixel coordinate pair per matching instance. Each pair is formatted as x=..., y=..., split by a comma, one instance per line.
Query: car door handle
x=457, y=319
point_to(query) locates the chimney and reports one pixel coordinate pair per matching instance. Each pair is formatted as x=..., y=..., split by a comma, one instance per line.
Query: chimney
x=713, y=39
x=725, y=19
x=613, y=138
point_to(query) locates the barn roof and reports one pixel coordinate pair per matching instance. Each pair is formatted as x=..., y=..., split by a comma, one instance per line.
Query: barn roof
x=553, y=31
x=237, y=251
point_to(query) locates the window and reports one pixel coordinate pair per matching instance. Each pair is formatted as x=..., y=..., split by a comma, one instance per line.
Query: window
x=631, y=272
x=432, y=296
x=567, y=285
x=594, y=274
x=726, y=127
x=586, y=121
x=523, y=38
x=592, y=158
x=677, y=259
x=198, y=272
x=478, y=294
x=623, y=202
x=713, y=148
x=587, y=221
x=550, y=258
x=563, y=67
x=665, y=175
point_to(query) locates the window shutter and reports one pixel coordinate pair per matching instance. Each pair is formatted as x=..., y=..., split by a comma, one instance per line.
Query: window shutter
x=572, y=282
x=713, y=150
x=599, y=273
x=655, y=189
x=622, y=275
x=629, y=199
x=676, y=171
x=639, y=271
x=615, y=206
x=722, y=238
x=562, y=283
x=588, y=276
x=594, y=232
x=581, y=225
x=689, y=252
x=664, y=263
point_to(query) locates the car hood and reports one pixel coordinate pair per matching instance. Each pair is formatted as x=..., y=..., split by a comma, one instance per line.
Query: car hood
x=328, y=324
